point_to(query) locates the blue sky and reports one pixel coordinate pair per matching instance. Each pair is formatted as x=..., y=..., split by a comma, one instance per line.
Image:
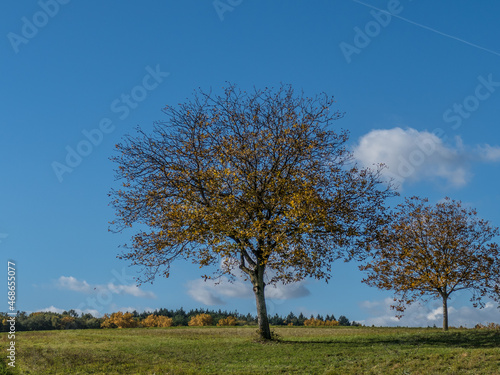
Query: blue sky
x=420, y=89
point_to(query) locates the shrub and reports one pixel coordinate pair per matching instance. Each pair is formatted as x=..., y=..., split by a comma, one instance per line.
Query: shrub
x=201, y=320
x=229, y=321
x=313, y=322
x=119, y=320
x=157, y=321
x=492, y=326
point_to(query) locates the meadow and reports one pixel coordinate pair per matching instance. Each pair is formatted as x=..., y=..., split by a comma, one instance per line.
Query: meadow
x=236, y=350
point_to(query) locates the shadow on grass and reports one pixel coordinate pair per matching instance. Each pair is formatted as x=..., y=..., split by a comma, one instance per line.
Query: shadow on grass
x=463, y=339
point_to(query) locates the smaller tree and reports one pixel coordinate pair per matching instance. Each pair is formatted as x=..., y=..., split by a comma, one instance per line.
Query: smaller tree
x=435, y=251
x=343, y=321
x=40, y=321
x=68, y=322
x=276, y=320
x=89, y=321
x=301, y=319
x=71, y=313
x=291, y=319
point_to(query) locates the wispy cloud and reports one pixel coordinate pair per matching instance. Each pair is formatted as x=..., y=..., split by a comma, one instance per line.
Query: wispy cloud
x=412, y=155
x=200, y=291
x=215, y=293
x=289, y=291
x=132, y=290
x=488, y=153
x=82, y=286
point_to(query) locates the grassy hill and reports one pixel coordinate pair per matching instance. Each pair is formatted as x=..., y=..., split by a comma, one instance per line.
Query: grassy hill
x=234, y=350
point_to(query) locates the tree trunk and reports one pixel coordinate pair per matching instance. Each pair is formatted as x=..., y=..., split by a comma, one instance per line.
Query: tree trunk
x=258, y=289
x=445, y=313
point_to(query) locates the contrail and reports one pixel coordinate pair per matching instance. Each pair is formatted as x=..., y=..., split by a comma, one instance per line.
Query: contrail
x=428, y=28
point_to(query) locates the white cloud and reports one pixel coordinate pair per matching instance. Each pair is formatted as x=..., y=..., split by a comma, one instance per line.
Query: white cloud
x=215, y=293
x=54, y=309
x=420, y=315
x=468, y=316
x=71, y=283
x=202, y=292
x=289, y=291
x=489, y=153
x=412, y=155
x=132, y=290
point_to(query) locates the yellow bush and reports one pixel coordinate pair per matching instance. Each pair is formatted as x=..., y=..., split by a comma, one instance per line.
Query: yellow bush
x=313, y=322
x=119, y=320
x=201, y=320
x=331, y=323
x=157, y=321
x=229, y=321
x=492, y=326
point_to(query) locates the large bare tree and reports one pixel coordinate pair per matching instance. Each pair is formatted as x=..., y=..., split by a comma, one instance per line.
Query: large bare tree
x=434, y=251
x=257, y=181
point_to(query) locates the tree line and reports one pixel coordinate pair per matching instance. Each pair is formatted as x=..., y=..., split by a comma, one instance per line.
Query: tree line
x=45, y=320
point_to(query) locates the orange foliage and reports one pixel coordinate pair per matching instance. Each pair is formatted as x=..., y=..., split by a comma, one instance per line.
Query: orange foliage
x=436, y=250
x=313, y=322
x=256, y=177
x=119, y=320
x=157, y=321
x=201, y=320
x=229, y=321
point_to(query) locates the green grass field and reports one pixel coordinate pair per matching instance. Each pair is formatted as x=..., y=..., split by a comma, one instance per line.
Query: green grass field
x=235, y=350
